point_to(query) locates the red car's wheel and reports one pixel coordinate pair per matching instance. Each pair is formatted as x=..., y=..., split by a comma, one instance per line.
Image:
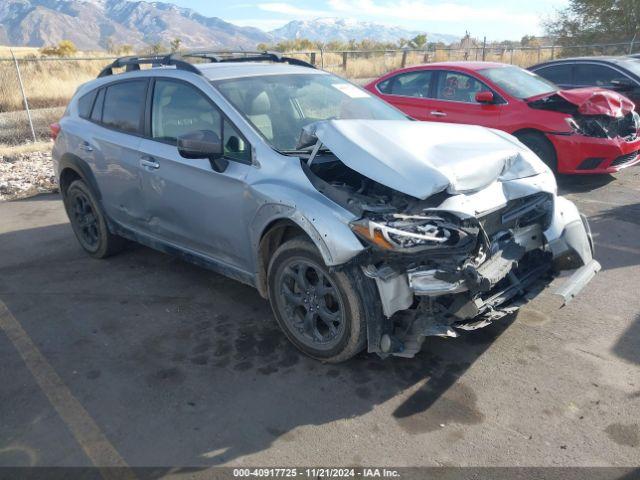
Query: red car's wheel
x=542, y=147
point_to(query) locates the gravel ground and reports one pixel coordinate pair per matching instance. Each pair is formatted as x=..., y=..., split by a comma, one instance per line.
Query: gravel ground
x=26, y=174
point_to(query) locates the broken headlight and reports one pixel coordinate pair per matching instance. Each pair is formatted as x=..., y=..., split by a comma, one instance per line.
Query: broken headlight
x=409, y=233
x=601, y=126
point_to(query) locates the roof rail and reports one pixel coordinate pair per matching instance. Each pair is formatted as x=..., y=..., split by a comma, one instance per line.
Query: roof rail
x=241, y=56
x=132, y=63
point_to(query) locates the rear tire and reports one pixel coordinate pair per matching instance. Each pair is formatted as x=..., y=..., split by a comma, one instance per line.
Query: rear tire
x=319, y=310
x=542, y=147
x=89, y=222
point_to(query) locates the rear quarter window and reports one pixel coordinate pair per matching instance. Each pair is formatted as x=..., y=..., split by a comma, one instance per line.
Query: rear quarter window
x=124, y=106
x=85, y=103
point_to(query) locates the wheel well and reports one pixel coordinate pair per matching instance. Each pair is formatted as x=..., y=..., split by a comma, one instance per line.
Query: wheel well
x=274, y=235
x=529, y=130
x=67, y=176
x=553, y=161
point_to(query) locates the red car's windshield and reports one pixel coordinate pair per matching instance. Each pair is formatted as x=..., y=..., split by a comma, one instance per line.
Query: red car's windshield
x=518, y=82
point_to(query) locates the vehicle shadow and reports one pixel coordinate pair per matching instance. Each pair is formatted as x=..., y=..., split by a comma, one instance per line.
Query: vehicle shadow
x=628, y=345
x=582, y=183
x=180, y=366
x=616, y=231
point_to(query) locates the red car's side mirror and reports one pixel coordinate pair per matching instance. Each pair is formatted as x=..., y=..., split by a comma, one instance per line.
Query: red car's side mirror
x=484, y=97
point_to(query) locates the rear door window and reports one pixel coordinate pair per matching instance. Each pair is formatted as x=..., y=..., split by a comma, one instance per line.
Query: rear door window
x=410, y=84
x=124, y=106
x=558, y=74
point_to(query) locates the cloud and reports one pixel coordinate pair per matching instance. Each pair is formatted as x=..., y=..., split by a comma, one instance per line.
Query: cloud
x=418, y=10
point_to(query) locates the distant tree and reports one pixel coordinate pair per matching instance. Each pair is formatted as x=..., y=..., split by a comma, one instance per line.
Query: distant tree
x=419, y=41
x=155, y=48
x=175, y=45
x=595, y=21
x=526, y=40
x=64, y=48
x=115, y=49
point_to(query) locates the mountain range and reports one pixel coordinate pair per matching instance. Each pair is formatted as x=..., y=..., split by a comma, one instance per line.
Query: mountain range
x=345, y=29
x=96, y=24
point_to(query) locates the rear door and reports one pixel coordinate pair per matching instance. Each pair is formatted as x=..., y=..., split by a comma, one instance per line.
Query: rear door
x=112, y=149
x=455, y=100
x=190, y=205
x=411, y=92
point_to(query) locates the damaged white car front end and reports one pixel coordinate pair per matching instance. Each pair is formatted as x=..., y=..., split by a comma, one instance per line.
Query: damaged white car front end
x=459, y=224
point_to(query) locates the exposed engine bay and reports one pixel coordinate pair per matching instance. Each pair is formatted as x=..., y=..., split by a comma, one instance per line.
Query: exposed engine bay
x=602, y=114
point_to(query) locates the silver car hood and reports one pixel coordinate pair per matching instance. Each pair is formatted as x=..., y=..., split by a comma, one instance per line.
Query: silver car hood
x=423, y=158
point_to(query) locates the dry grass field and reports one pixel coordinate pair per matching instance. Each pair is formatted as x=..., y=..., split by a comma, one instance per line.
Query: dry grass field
x=50, y=83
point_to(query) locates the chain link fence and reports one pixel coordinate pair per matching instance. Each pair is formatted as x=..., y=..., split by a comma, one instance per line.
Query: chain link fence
x=45, y=85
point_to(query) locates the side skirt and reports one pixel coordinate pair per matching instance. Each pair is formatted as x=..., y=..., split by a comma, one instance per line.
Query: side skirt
x=186, y=255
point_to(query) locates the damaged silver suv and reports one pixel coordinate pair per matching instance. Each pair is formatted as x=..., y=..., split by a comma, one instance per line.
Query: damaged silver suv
x=364, y=229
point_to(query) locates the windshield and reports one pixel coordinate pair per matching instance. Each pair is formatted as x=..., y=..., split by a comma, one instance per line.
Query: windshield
x=631, y=64
x=279, y=106
x=518, y=82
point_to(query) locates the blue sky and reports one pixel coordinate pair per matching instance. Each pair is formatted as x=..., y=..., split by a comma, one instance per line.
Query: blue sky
x=497, y=19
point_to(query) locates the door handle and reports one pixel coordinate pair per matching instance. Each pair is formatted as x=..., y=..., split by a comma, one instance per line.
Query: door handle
x=149, y=162
x=438, y=113
x=86, y=147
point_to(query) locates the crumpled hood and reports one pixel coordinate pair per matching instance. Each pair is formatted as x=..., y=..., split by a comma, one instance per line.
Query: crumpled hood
x=423, y=158
x=592, y=101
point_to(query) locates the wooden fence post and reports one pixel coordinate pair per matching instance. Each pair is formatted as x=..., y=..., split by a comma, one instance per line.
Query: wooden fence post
x=312, y=58
x=344, y=61
x=404, y=59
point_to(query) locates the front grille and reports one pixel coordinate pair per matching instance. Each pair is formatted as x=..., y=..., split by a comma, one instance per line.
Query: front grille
x=623, y=159
x=519, y=213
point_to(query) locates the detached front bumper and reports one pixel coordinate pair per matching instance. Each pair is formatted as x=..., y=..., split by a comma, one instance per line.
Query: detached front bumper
x=579, y=154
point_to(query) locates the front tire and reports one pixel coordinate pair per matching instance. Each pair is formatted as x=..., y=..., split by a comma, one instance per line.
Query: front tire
x=542, y=147
x=89, y=223
x=319, y=310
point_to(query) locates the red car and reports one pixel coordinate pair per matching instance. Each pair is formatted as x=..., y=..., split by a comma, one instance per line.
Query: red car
x=586, y=130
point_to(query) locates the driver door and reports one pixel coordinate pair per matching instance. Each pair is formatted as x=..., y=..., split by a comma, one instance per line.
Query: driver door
x=455, y=101
x=188, y=204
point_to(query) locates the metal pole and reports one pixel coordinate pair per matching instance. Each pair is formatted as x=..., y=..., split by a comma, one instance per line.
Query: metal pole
x=631, y=44
x=24, y=96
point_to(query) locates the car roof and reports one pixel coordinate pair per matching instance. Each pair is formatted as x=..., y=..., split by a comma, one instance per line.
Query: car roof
x=605, y=59
x=224, y=70
x=465, y=65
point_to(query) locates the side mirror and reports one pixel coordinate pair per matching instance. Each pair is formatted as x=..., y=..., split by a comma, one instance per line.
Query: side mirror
x=485, y=97
x=200, y=144
x=622, y=84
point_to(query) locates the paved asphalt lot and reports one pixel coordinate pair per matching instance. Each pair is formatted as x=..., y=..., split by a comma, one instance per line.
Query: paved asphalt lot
x=144, y=360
